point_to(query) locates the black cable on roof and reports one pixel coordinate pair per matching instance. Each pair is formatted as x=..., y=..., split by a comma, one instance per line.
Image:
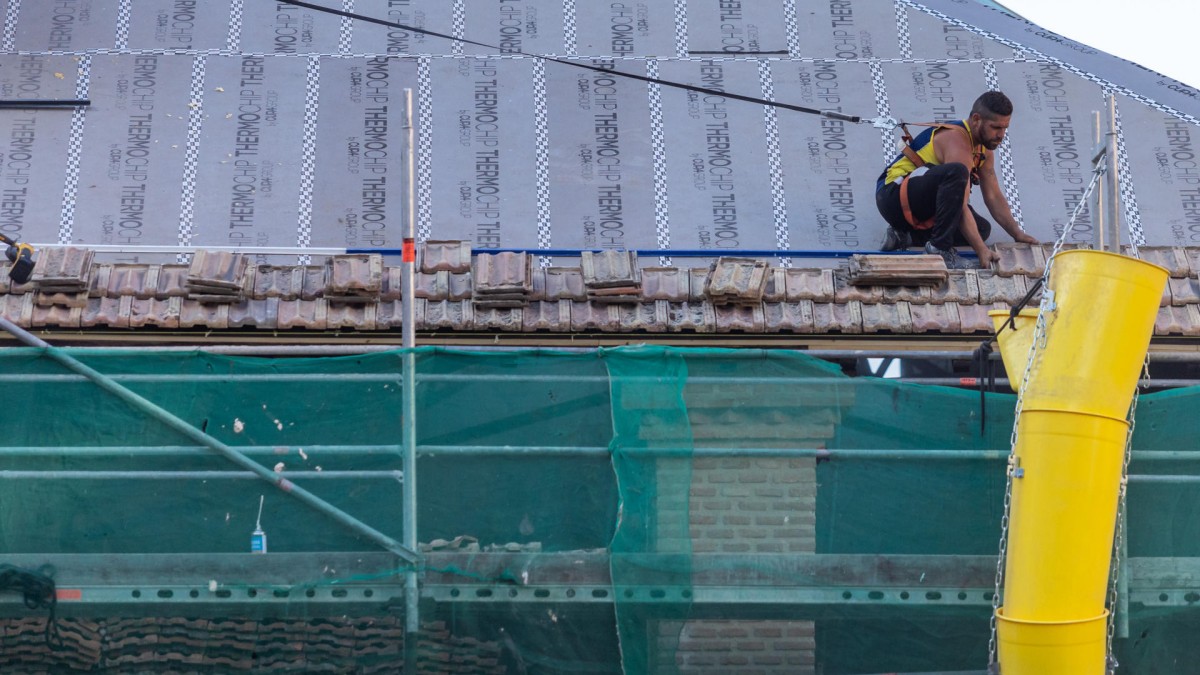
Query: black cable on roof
x=609, y=71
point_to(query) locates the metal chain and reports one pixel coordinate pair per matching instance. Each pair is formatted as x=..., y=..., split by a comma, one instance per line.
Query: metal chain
x=1115, y=574
x=1013, y=470
x=1119, y=535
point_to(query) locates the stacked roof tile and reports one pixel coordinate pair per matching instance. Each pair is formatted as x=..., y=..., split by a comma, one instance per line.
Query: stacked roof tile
x=157, y=644
x=506, y=292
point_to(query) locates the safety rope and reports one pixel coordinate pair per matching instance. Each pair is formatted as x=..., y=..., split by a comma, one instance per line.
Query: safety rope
x=1038, y=342
x=881, y=122
x=983, y=353
x=833, y=114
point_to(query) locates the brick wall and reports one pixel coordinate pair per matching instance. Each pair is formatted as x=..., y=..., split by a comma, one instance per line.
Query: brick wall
x=741, y=647
x=753, y=505
x=743, y=505
x=748, y=506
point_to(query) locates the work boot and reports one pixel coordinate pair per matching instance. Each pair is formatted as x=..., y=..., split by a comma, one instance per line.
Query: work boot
x=953, y=260
x=894, y=240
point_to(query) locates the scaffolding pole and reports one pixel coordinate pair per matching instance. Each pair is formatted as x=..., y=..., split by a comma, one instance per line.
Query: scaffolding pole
x=318, y=350
x=408, y=417
x=191, y=475
x=841, y=381
x=576, y=451
x=1112, y=190
x=1104, y=203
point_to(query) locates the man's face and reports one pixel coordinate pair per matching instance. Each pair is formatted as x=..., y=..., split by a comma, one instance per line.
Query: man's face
x=989, y=131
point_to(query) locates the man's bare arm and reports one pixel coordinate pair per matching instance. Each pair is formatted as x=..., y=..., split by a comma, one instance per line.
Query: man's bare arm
x=997, y=203
x=970, y=231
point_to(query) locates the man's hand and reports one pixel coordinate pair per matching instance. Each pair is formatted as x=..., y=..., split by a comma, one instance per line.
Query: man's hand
x=986, y=257
x=1024, y=237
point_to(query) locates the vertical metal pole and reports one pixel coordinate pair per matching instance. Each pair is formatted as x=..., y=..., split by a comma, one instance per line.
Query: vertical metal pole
x=1096, y=202
x=408, y=419
x=1112, y=197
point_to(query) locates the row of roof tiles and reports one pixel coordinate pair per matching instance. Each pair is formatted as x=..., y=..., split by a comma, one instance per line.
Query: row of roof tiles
x=163, y=282
x=168, y=644
x=563, y=316
x=312, y=282
x=505, y=292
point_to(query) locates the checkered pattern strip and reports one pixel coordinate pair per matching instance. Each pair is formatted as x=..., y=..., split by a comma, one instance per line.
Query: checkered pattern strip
x=542, y=156
x=681, y=29
x=775, y=162
x=122, y=38
x=235, y=25
x=74, y=152
x=459, y=19
x=886, y=136
x=10, y=25
x=191, y=157
x=346, y=30
x=658, y=145
x=1008, y=173
x=424, y=158
x=1133, y=216
x=991, y=79
x=570, y=29
x=308, y=157
x=903, y=34
x=1064, y=65
x=792, y=24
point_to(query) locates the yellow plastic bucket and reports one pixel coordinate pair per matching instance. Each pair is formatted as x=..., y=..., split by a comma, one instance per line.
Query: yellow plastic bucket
x=1051, y=647
x=1063, y=514
x=1097, y=333
x=1014, y=341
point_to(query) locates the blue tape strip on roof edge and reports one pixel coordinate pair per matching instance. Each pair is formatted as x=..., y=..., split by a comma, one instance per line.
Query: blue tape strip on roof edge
x=674, y=253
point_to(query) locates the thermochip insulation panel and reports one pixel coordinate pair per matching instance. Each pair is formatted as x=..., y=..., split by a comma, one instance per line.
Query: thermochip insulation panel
x=257, y=123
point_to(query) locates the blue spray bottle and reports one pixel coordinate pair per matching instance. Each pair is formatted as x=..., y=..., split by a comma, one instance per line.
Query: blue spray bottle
x=258, y=539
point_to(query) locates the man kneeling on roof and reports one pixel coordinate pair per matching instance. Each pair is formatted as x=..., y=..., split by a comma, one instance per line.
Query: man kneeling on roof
x=925, y=193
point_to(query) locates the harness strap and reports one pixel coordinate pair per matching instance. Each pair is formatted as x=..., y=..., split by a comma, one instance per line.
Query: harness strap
x=978, y=156
x=908, y=214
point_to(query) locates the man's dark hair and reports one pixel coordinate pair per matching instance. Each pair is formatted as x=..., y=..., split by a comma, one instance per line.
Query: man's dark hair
x=992, y=104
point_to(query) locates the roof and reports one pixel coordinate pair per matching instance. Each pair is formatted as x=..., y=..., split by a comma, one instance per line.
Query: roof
x=460, y=293
x=251, y=119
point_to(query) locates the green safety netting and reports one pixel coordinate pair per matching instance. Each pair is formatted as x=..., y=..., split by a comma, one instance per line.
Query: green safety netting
x=632, y=510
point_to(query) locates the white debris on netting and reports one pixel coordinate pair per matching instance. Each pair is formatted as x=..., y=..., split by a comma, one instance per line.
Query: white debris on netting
x=274, y=420
x=279, y=467
x=238, y=425
x=468, y=544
